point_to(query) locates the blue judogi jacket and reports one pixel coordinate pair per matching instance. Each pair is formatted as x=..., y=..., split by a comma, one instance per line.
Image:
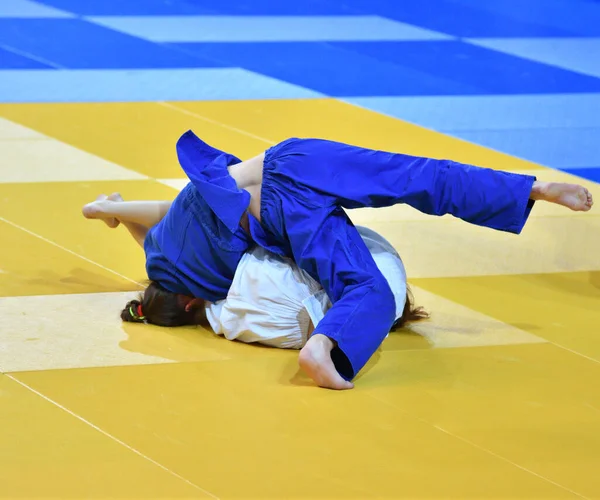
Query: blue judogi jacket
x=197, y=246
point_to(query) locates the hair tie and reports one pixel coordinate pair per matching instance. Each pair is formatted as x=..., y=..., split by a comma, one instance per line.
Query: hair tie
x=137, y=315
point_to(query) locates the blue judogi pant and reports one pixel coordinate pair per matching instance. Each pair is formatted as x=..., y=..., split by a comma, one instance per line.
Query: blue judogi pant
x=307, y=184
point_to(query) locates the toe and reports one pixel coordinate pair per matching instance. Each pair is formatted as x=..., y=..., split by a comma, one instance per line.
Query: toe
x=115, y=197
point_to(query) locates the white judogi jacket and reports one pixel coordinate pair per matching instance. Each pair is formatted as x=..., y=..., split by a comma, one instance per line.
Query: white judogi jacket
x=272, y=301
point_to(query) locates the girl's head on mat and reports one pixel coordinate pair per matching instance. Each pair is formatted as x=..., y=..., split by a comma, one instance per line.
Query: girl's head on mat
x=158, y=306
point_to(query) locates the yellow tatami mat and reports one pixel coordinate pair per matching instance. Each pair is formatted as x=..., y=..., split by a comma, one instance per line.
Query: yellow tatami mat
x=494, y=397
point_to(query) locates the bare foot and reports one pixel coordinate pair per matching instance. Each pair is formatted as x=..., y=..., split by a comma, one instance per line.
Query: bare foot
x=94, y=210
x=114, y=197
x=572, y=196
x=315, y=361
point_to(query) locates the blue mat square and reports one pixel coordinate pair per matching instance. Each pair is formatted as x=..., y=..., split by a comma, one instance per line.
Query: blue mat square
x=581, y=17
x=590, y=173
x=73, y=43
x=280, y=7
x=130, y=7
x=185, y=7
x=329, y=69
x=10, y=60
x=460, y=20
x=28, y=9
x=139, y=85
x=489, y=71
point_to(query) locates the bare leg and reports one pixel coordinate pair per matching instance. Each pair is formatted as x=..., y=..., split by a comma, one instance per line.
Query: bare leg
x=137, y=231
x=146, y=213
x=113, y=210
x=572, y=196
x=315, y=361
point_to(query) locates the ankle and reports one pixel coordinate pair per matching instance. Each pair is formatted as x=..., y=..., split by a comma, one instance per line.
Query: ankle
x=323, y=340
x=538, y=190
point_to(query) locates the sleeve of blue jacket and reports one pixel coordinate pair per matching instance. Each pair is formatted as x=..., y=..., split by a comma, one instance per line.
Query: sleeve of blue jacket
x=364, y=309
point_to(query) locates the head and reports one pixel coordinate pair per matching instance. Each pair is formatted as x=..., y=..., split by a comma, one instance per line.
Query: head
x=158, y=306
x=410, y=313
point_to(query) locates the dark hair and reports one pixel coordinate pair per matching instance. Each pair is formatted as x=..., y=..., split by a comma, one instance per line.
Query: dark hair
x=163, y=308
x=410, y=312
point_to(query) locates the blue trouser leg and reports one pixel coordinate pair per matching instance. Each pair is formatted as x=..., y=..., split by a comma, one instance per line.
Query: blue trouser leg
x=354, y=177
